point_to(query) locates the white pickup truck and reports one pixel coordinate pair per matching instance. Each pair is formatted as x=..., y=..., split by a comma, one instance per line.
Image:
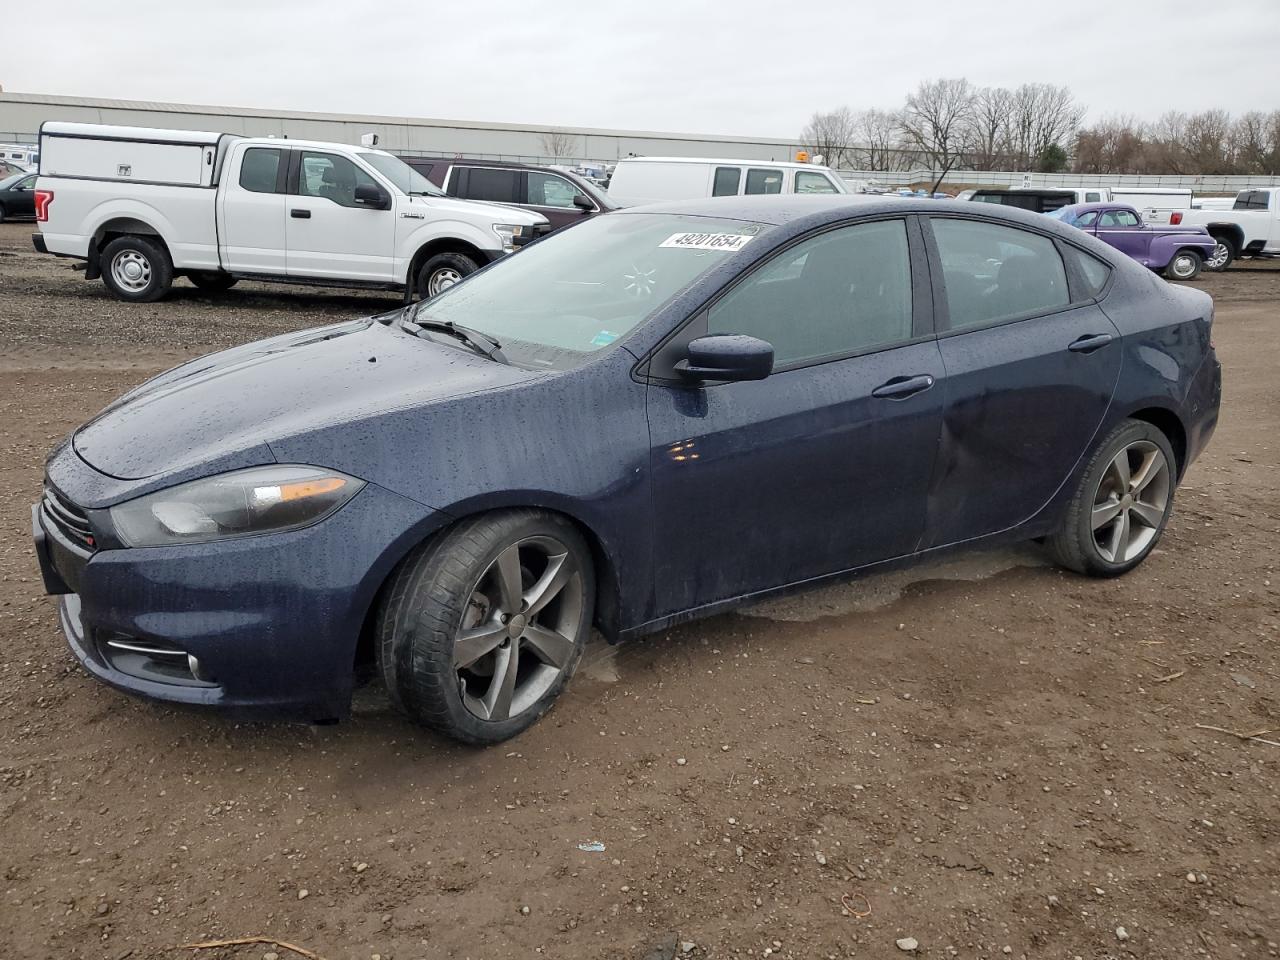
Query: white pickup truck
x=143, y=206
x=1251, y=228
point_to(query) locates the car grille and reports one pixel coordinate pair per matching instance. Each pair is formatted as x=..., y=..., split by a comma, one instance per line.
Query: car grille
x=70, y=520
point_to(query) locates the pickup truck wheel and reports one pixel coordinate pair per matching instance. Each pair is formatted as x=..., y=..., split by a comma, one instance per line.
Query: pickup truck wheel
x=136, y=269
x=443, y=271
x=480, y=629
x=1185, y=265
x=1222, y=256
x=213, y=282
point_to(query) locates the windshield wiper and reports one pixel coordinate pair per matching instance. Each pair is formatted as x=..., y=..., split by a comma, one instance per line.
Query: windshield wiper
x=481, y=343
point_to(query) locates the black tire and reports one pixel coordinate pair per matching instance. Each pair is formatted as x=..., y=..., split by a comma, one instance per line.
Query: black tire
x=446, y=580
x=450, y=267
x=151, y=256
x=1076, y=545
x=1223, y=255
x=1, y=213
x=1184, y=266
x=213, y=281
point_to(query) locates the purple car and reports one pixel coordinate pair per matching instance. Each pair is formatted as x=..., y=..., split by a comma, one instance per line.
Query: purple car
x=1177, y=252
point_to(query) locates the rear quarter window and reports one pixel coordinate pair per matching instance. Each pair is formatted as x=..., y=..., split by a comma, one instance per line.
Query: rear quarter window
x=1093, y=272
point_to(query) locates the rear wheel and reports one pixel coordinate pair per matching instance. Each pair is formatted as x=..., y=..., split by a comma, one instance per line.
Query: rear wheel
x=1185, y=265
x=212, y=281
x=443, y=271
x=1224, y=252
x=1122, y=504
x=481, y=628
x=136, y=269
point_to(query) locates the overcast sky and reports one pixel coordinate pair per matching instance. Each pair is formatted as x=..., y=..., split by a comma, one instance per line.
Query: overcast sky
x=746, y=67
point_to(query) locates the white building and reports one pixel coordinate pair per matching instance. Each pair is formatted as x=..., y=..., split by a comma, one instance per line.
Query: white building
x=22, y=113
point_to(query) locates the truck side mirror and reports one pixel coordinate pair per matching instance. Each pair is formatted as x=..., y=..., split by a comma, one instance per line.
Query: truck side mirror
x=371, y=195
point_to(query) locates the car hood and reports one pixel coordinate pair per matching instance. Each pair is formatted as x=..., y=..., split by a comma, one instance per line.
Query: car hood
x=224, y=410
x=501, y=212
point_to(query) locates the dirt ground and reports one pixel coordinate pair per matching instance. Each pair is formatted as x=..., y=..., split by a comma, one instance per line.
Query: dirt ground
x=987, y=755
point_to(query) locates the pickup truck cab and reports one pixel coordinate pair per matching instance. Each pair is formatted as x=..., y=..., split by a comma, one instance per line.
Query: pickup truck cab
x=142, y=206
x=1251, y=228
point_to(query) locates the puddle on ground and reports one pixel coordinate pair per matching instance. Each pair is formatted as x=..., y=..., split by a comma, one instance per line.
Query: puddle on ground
x=874, y=591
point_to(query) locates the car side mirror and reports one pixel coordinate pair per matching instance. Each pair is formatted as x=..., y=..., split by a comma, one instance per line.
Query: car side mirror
x=727, y=357
x=371, y=195
x=583, y=203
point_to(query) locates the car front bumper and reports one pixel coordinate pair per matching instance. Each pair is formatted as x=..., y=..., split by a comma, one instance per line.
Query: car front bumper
x=260, y=625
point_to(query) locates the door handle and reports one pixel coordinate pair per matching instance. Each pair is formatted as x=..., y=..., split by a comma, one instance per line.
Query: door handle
x=1089, y=343
x=899, y=388
x=299, y=213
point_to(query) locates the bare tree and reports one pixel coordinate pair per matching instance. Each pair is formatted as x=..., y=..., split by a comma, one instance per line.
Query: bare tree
x=988, y=136
x=830, y=135
x=1041, y=116
x=936, y=119
x=878, y=133
x=559, y=144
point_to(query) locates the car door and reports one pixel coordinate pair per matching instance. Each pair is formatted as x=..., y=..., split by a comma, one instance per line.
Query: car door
x=252, y=213
x=1031, y=364
x=20, y=200
x=1123, y=230
x=330, y=232
x=825, y=464
x=555, y=197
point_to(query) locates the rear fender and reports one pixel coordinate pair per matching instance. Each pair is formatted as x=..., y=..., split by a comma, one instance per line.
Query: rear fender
x=1164, y=246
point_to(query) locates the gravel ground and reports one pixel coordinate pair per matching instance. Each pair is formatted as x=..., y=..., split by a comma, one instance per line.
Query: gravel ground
x=987, y=756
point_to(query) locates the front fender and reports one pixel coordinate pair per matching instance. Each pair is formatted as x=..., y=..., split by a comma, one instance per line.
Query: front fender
x=1166, y=245
x=410, y=241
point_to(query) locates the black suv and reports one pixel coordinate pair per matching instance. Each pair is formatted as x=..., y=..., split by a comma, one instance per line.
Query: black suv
x=562, y=197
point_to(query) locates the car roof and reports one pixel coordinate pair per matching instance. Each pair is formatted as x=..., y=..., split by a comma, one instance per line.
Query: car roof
x=1078, y=208
x=781, y=208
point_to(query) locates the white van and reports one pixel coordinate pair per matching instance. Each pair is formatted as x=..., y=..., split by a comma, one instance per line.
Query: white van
x=639, y=180
x=25, y=156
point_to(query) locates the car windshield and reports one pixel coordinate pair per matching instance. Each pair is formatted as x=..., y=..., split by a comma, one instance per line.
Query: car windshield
x=566, y=297
x=406, y=179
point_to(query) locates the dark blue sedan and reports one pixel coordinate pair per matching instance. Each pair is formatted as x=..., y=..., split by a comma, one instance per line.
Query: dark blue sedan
x=652, y=417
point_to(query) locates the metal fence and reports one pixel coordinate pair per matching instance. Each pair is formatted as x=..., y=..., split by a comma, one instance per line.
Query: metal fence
x=1208, y=183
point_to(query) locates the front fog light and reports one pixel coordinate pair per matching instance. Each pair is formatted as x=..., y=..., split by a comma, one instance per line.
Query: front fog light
x=238, y=504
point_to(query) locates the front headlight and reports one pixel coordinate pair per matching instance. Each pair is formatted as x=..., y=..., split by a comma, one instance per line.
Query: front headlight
x=512, y=235
x=239, y=504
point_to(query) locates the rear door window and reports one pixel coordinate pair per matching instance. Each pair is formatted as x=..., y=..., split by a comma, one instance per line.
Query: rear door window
x=260, y=168
x=726, y=182
x=485, y=183
x=993, y=273
x=764, y=181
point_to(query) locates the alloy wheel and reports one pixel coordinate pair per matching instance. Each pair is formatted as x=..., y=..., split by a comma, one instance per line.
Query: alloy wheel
x=131, y=271
x=520, y=630
x=1130, y=502
x=1218, y=258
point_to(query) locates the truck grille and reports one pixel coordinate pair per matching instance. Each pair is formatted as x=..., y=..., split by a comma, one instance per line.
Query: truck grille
x=70, y=520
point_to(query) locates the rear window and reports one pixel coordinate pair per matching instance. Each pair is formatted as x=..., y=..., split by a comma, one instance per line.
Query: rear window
x=481, y=183
x=1252, y=200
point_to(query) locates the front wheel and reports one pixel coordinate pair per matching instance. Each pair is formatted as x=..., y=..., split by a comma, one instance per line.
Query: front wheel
x=1121, y=505
x=443, y=271
x=136, y=269
x=1224, y=252
x=1185, y=265
x=481, y=628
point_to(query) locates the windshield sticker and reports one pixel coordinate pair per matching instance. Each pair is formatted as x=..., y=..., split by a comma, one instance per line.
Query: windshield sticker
x=603, y=338
x=728, y=242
